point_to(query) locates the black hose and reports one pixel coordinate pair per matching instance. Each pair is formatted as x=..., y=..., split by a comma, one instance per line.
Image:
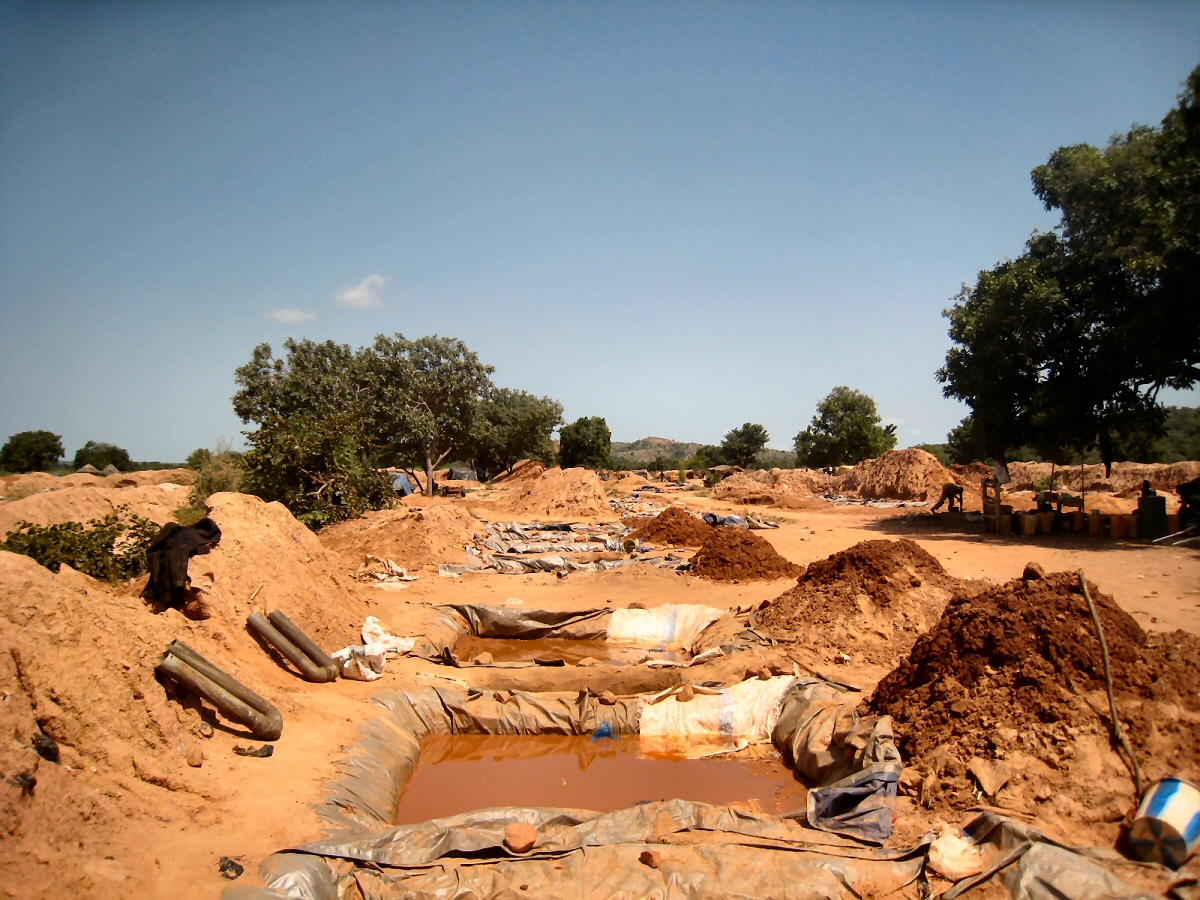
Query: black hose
x=222, y=690
x=281, y=633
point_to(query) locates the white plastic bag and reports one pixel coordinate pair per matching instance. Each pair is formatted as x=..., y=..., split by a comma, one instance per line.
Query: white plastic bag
x=374, y=634
x=361, y=663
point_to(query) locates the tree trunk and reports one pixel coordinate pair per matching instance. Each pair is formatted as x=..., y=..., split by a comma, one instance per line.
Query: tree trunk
x=428, y=474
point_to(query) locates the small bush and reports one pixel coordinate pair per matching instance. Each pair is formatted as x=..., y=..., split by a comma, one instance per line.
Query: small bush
x=216, y=471
x=111, y=549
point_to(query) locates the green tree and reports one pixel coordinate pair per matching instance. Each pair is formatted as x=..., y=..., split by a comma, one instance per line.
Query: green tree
x=741, y=445
x=513, y=425
x=31, y=451
x=425, y=396
x=315, y=448
x=1067, y=347
x=100, y=455
x=585, y=442
x=846, y=429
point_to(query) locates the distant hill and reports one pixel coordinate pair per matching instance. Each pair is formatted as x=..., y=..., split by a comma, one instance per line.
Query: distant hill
x=649, y=449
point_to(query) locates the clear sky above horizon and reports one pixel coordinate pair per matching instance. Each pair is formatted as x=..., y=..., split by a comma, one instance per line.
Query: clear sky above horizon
x=679, y=216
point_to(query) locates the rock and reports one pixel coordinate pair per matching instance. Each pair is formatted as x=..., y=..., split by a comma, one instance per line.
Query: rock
x=483, y=659
x=1033, y=572
x=520, y=837
x=204, y=730
x=46, y=747
x=636, y=604
x=608, y=698
x=588, y=661
x=503, y=696
x=685, y=694
x=953, y=858
x=764, y=673
x=195, y=757
x=230, y=868
x=650, y=858
x=992, y=774
x=910, y=781
x=960, y=708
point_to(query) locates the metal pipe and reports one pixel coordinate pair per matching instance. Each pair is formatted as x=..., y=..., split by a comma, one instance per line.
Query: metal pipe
x=311, y=660
x=227, y=694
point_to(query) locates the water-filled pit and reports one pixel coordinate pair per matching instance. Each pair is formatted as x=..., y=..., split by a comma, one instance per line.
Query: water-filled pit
x=552, y=651
x=462, y=772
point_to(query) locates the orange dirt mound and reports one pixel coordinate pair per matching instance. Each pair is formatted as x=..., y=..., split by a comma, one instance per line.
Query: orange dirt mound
x=910, y=474
x=525, y=470
x=81, y=504
x=1014, y=656
x=731, y=553
x=563, y=493
x=78, y=665
x=1126, y=476
x=412, y=538
x=774, y=487
x=675, y=526
x=874, y=598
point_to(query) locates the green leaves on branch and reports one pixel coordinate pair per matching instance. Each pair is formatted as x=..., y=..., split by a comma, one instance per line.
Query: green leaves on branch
x=31, y=451
x=585, y=442
x=846, y=429
x=511, y=426
x=1067, y=347
x=101, y=455
x=741, y=445
x=110, y=549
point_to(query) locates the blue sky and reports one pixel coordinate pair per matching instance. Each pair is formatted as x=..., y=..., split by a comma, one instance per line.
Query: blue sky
x=680, y=216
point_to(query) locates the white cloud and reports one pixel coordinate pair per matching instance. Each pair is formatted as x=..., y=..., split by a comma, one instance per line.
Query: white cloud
x=290, y=316
x=364, y=295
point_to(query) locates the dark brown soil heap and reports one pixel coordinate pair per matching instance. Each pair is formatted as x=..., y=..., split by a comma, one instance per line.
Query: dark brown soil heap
x=736, y=553
x=674, y=526
x=886, y=571
x=1015, y=656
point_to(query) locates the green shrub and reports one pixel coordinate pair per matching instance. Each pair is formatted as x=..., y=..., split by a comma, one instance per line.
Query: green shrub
x=110, y=549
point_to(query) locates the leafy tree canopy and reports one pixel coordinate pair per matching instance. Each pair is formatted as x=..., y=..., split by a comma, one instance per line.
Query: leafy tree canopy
x=511, y=426
x=424, y=397
x=314, y=449
x=741, y=445
x=31, y=451
x=100, y=455
x=585, y=442
x=1067, y=347
x=846, y=429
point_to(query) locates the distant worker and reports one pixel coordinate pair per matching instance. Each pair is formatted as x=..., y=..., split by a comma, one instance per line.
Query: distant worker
x=951, y=493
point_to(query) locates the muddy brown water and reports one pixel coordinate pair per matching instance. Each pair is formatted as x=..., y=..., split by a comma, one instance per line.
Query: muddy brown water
x=569, y=651
x=462, y=772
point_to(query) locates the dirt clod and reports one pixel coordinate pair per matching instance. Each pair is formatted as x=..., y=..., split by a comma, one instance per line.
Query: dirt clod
x=1032, y=572
x=195, y=757
x=650, y=858
x=733, y=553
x=674, y=526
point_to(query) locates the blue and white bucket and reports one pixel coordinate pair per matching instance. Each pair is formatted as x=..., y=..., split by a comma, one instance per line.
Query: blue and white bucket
x=1167, y=827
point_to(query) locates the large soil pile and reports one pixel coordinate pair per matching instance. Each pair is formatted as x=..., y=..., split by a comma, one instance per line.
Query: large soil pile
x=525, y=470
x=265, y=553
x=1014, y=657
x=910, y=474
x=35, y=482
x=674, y=526
x=81, y=504
x=775, y=487
x=412, y=538
x=874, y=599
x=735, y=553
x=78, y=665
x=563, y=493
x=1126, y=476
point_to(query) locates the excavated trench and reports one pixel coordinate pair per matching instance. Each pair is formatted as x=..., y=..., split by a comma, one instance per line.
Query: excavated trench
x=558, y=651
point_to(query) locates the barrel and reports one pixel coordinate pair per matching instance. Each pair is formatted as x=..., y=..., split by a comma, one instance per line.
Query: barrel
x=1167, y=826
